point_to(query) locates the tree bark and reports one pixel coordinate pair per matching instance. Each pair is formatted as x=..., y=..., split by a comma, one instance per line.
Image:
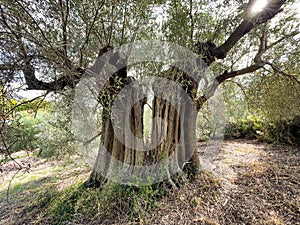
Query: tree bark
x=173, y=135
x=114, y=140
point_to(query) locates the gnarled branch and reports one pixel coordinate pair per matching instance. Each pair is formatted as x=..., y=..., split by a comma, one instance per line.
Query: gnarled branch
x=35, y=84
x=249, y=22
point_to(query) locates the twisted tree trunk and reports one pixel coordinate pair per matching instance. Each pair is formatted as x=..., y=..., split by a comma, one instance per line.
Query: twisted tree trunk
x=173, y=134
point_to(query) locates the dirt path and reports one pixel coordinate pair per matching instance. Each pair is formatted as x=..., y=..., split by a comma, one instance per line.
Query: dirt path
x=242, y=182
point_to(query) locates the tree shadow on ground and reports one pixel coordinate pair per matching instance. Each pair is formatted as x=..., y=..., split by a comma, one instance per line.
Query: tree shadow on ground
x=21, y=196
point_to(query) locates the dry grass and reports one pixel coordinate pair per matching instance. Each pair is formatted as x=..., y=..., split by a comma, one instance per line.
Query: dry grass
x=243, y=183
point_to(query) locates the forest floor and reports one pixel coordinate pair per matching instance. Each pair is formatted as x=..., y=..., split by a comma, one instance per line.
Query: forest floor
x=242, y=182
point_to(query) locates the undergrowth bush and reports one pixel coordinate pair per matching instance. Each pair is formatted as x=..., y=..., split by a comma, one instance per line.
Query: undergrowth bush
x=21, y=133
x=251, y=127
x=47, y=130
x=280, y=131
x=284, y=131
x=57, y=139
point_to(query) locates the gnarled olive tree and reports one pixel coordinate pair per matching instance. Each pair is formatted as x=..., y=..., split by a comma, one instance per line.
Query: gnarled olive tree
x=50, y=44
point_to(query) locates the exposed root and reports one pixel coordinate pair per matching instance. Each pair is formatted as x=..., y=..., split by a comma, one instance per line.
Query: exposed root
x=95, y=181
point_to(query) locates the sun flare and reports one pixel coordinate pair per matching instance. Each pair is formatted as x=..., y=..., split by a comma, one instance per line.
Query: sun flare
x=259, y=6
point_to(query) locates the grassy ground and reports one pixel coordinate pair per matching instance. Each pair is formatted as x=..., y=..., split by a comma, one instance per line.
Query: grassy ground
x=241, y=183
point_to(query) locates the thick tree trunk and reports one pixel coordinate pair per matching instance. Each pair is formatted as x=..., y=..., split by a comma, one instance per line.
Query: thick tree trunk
x=114, y=140
x=178, y=127
x=173, y=135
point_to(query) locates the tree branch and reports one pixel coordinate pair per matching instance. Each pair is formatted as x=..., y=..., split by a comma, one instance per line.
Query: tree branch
x=35, y=84
x=258, y=63
x=37, y=25
x=294, y=33
x=262, y=46
x=226, y=75
x=88, y=33
x=221, y=78
x=249, y=22
x=276, y=69
x=64, y=24
x=60, y=54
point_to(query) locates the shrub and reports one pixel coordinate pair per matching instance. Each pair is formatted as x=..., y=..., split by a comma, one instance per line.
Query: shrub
x=280, y=131
x=21, y=133
x=249, y=128
x=48, y=130
x=284, y=131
